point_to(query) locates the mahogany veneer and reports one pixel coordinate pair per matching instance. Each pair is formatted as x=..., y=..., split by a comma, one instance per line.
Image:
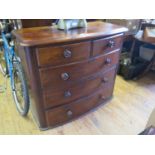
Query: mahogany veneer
x=69, y=73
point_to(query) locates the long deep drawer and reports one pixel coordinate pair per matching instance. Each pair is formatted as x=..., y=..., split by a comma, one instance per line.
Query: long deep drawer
x=58, y=55
x=70, y=111
x=80, y=89
x=63, y=76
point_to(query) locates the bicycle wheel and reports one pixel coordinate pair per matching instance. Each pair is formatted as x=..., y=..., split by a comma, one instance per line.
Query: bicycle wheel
x=3, y=64
x=20, y=90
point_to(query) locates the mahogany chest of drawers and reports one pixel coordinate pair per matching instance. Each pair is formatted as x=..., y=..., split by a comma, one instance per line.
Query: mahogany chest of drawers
x=69, y=73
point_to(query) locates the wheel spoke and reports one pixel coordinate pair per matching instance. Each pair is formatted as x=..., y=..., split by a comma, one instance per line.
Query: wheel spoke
x=18, y=89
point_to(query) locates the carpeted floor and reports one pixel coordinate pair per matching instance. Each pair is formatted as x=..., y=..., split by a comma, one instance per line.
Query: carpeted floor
x=127, y=113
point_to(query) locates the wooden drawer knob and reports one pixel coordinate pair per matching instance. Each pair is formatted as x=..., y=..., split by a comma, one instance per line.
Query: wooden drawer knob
x=69, y=113
x=65, y=76
x=102, y=97
x=105, y=79
x=67, y=54
x=111, y=44
x=67, y=94
x=107, y=61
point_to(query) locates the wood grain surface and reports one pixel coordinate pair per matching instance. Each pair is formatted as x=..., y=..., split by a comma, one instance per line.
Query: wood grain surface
x=51, y=35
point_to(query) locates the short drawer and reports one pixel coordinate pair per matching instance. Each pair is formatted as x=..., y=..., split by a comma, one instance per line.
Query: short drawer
x=80, y=89
x=102, y=46
x=59, y=55
x=62, y=114
x=63, y=76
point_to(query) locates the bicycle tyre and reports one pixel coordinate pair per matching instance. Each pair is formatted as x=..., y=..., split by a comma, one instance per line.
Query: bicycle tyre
x=19, y=73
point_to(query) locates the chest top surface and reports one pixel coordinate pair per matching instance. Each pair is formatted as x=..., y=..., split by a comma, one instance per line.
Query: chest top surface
x=51, y=35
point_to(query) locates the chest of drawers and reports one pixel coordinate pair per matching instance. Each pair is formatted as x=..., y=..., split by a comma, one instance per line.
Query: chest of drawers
x=69, y=73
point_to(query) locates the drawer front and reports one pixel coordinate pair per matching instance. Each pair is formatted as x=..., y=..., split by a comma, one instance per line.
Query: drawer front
x=63, y=54
x=58, y=97
x=70, y=111
x=63, y=76
x=102, y=46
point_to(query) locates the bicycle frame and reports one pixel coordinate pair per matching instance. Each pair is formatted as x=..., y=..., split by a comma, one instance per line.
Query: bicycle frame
x=14, y=70
x=9, y=54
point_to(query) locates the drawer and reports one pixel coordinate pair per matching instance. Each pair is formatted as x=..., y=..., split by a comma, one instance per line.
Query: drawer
x=58, y=55
x=80, y=89
x=63, y=76
x=102, y=46
x=70, y=111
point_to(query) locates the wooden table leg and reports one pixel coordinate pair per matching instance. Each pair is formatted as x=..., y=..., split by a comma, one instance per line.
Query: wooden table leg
x=132, y=48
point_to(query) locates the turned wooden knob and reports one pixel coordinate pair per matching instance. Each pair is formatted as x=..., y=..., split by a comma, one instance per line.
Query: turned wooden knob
x=105, y=79
x=69, y=113
x=67, y=94
x=65, y=76
x=107, y=61
x=67, y=54
x=111, y=44
x=102, y=97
